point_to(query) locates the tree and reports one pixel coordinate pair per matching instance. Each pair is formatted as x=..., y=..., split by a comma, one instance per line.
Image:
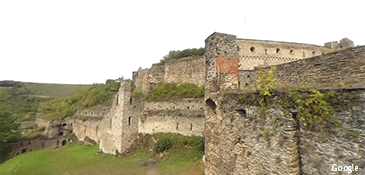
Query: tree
x=9, y=129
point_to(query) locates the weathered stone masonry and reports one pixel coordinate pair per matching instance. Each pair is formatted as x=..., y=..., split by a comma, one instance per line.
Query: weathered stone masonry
x=240, y=146
x=234, y=130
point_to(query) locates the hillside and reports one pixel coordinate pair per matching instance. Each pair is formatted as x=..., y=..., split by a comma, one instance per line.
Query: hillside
x=51, y=90
x=22, y=101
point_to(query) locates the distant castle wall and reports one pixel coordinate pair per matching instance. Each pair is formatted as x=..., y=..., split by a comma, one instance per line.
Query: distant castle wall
x=183, y=70
x=348, y=64
x=253, y=53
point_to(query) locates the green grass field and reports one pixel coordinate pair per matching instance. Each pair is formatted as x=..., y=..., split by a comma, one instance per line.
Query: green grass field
x=76, y=159
x=72, y=159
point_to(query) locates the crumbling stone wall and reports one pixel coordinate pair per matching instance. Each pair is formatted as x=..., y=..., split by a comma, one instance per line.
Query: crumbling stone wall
x=23, y=145
x=236, y=142
x=90, y=128
x=185, y=117
x=344, y=43
x=185, y=70
x=155, y=75
x=97, y=112
x=112, y=124
x=347, y=64
x=140, y=78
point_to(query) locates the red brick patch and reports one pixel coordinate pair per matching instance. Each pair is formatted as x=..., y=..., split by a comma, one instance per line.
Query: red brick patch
x=227, y=66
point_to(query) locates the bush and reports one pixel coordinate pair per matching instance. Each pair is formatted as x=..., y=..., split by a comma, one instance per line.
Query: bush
x=162, y=145
x=165, y=91
x=136, y=93
x=181, y=54
x=198, y=143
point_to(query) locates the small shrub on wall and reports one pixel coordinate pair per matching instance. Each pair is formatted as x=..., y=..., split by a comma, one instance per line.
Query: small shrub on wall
x=136, y=93
x=181, y=54
x=165, y=91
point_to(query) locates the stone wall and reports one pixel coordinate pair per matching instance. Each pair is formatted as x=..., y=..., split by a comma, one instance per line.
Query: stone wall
x=223, y=47
x=97, y=112
x=253, y=53
x=112, y=126
x=347, y=64
x=185, y=117
x=240, y=141
x=155, y=75
x=23, y=145
x=185, y=70
x=140, y=79
x=90, y=128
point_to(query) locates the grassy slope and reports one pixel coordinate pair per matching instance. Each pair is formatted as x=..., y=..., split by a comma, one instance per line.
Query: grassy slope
x=84, y=160
x=53, y=90
x=72, y=159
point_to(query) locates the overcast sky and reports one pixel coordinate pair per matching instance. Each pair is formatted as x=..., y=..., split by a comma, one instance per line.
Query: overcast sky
x=89, y=41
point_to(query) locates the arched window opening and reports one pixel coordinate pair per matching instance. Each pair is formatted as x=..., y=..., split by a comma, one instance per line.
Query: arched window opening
x=211, y=106
x=191, y=126
x=277, y=50
x=129, y=121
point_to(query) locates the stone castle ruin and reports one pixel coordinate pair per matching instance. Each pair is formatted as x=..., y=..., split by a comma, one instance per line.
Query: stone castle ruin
x=230, y=63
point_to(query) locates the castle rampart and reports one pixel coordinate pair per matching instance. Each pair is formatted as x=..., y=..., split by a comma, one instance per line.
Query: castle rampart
x=185, y=70
x=253, y=53
x=344, y=65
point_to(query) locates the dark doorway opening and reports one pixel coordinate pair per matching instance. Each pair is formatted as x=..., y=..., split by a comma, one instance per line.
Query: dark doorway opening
x=211, y=106
x=64, y=142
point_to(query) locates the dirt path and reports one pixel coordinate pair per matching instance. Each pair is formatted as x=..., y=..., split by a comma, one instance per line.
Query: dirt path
x=150, y=164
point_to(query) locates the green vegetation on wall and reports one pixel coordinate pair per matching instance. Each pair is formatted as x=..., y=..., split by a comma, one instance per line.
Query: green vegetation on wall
x=181, y=54
x=315, y=110
x=265, y=85
x=136, y=93
x=81, y=97
x=165, y=91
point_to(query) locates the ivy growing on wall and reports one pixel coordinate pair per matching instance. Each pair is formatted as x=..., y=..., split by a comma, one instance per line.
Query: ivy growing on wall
x=265, y=85
x=314, y=108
